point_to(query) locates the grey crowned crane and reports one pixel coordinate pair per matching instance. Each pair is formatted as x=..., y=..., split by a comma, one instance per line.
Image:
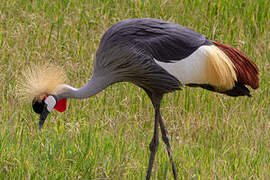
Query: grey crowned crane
x=157, y=56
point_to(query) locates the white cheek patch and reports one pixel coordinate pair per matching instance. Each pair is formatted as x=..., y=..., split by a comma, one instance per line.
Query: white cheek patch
x=51, y=102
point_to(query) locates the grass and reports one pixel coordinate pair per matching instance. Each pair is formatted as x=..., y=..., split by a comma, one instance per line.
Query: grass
x=107, y=136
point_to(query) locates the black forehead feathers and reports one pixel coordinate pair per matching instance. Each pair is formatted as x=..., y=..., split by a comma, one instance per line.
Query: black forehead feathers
x=38, y=105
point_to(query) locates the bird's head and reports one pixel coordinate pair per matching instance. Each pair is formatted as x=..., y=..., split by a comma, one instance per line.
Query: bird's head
x=46, y=105
x=39, y=83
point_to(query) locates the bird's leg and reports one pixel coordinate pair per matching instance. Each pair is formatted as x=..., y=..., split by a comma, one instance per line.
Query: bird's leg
x=165, y=138
x=153, y=148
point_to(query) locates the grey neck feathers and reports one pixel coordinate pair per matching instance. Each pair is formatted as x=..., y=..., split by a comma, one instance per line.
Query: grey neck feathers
x=91, y=88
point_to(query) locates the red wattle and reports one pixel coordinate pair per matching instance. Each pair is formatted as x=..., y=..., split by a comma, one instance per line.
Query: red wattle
x=61, y=105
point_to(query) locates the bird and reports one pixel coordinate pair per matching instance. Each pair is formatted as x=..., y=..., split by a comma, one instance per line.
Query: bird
x=158, y=56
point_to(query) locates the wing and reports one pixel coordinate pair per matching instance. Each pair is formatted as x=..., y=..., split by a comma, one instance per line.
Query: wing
x=162, y=40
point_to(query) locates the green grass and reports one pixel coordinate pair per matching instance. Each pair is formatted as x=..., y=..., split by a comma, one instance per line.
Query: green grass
x=107, y=136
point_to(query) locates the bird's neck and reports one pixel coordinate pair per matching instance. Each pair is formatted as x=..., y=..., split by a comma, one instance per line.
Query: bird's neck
x=91, y=88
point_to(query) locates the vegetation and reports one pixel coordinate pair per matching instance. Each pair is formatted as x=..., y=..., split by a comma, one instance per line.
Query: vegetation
x=107, y=136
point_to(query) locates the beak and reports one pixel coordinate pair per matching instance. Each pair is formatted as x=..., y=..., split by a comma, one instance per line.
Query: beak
x=43, y=116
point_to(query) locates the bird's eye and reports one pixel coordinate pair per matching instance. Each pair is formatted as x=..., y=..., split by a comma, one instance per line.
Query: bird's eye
x=38, y=106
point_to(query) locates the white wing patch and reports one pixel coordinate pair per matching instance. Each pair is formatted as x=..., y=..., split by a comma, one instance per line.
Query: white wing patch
x=190, y=69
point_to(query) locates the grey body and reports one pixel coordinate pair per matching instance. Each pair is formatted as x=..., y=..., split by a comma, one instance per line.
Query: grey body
x=128, y=49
